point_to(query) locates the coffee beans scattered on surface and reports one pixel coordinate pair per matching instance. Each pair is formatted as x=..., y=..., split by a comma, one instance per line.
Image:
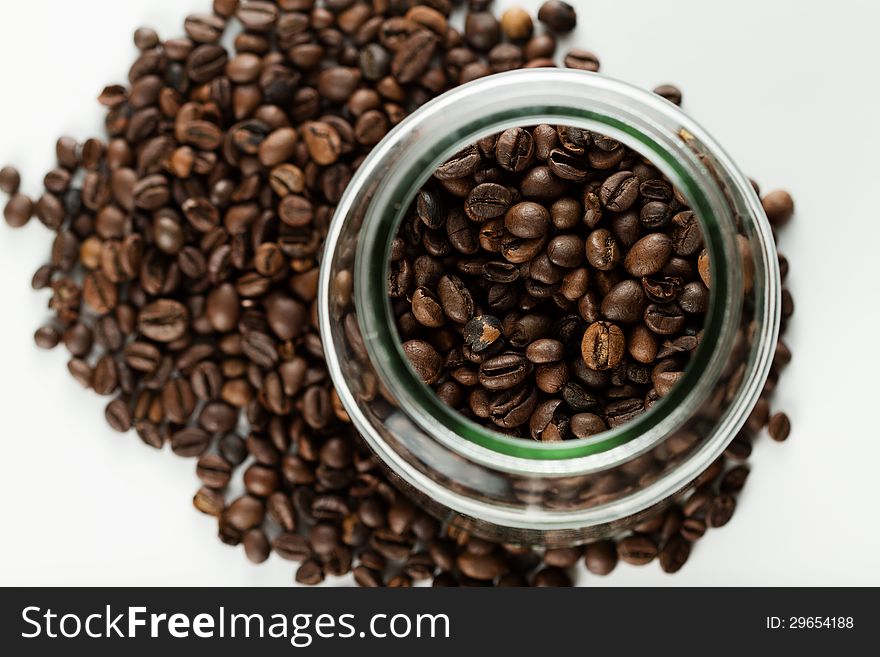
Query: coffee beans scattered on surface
x=183, y=275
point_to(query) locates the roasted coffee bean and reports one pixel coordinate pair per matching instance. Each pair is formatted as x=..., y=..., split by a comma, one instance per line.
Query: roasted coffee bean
x=579, y=399
x=213, y=470
x=481, y=566
x=459, y=166
x=482, y=30
x=455, y=299
x=664, y=319
x=602, y=250
x=637, y=550
x=487, y=201
x=583, y=60
x=47, y=337
x=482, y=332
x=164, y=320
x=600, y=557
x=687, y=237
x=669, y=92
x=424, y=359
x=504, y=372
x=734, y=479
x=649, y=255
x=539, y=183
x=779, y=207
x=674, y=554
x=558, y=16
x=514, y=149
x=624, y=303
x=118, y=415
x=619, y=191
x=603, y=346
x=516, y=23
x=190, y=442
x=584, y=425
x=413, y=56
x=694, y=298
x=779, y=427
x=567, y=166
x=10, y=180
x=720, y=510
x=527, y=220
x=18, y=210
x=291, y=547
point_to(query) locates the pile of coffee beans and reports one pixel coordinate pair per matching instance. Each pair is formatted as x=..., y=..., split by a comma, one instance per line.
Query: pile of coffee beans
x=183, y=276
x=549, y=283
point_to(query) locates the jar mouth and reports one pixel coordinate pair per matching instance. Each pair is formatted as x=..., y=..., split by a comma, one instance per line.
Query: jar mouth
x=673, y=157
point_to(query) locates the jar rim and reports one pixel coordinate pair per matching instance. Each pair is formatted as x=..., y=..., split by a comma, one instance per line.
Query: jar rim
x=518, y=454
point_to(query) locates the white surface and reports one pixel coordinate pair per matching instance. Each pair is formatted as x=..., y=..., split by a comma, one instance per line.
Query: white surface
x=788, y=86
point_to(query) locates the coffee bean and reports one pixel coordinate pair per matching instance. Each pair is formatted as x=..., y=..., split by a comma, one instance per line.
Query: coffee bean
x=482, y=332
x=540, y=184
x=504, y=372
x=163, y=320
x=482, y=30
x=603, y=346
x=323, y=142
x=47, y=337
x=721, y=510
x=10, y=180
x=624, y=303
x=779, y=207
x=18, y=210
x=455, y=299
x=461, y=165
x=669, y=92
x=413, y=56
x=245, y=513
x=779, y=427
x=687, y=237
x=734, y=479
x=584, y=425
x=213, y=470
x=527, y=220
x=674, y=554
x=481, y=567
x=600, y=557
x=257, y=15
x=256, y=545
x=487, y=201
x=637, y=550
x=583, y=60
x=516, y=23
x=619, y=191
x=190, y=442
x=425, y=360
x=558, y=16
x=664, y=319
x=649, y=255
x=545, y=350
x=118, y=415
x=514, y=149
x=151, y=193
x=602, y=250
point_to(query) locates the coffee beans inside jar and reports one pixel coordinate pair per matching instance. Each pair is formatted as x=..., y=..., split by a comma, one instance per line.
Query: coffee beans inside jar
x=183, y=274
x=546, y=283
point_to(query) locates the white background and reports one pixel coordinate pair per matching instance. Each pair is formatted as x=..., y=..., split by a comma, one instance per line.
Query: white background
x=789, y=86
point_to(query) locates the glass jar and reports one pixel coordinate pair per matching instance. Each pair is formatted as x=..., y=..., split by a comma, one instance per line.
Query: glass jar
x=512, y=489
